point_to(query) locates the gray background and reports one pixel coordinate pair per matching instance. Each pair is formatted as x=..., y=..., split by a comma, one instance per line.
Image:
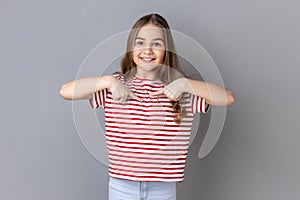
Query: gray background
x=254, y=43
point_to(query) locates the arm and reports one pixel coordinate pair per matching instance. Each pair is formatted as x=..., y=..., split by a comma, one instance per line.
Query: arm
x=212, y=93
x=85, y=87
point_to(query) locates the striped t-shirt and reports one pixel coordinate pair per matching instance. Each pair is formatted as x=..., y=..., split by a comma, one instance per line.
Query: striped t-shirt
x=143, y=141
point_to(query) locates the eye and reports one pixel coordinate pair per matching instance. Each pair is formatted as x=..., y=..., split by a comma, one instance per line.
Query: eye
x=157, y=44
x=139, y=43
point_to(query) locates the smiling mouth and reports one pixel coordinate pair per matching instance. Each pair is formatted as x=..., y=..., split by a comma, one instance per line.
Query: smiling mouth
x=147, y=59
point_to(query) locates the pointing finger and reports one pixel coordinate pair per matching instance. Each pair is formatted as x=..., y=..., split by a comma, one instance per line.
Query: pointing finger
x=135, y=97
x=157, y=93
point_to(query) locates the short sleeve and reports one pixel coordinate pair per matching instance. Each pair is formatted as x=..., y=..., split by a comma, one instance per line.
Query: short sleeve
x=198, y=104
x=98, y=99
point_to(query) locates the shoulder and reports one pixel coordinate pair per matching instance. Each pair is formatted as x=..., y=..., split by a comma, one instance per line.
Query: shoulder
x=118, y=75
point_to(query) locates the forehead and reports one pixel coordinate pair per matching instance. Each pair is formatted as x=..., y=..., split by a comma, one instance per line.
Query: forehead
x=150, y=31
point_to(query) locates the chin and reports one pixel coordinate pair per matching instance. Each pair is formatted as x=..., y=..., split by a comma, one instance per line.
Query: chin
x=149, y=67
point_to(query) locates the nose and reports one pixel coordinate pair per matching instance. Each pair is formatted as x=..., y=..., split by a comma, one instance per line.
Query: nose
x=148, y=50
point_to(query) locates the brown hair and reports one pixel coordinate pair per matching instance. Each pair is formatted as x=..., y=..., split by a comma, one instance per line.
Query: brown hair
x=169, y=69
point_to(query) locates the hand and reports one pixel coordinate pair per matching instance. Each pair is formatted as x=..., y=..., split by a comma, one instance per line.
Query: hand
x=120, y=92
x=173, y=91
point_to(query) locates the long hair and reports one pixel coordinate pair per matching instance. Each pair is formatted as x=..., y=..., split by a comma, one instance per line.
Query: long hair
x=169, y=69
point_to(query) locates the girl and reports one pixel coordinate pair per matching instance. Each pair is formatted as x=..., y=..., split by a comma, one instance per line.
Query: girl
x=149, y=108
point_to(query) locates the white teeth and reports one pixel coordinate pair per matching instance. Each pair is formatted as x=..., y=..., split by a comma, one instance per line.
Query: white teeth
x=147, y=59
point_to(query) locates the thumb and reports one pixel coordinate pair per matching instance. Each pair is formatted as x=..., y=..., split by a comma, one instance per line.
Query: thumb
x=134, y=97
x=157, y=93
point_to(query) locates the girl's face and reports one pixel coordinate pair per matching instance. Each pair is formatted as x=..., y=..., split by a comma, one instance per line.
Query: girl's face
x=149, y=48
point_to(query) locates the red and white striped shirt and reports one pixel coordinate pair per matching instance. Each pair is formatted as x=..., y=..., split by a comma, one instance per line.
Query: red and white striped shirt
x=143, y=141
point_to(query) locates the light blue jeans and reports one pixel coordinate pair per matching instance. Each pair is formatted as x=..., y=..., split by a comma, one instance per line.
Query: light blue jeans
x=120, y=189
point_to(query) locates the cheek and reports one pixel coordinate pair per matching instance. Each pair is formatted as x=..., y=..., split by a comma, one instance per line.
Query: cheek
x=135, y=54
x=135, y=59
x=161, y=55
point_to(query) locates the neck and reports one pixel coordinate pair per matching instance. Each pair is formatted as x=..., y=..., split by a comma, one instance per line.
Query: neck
x=147, y=75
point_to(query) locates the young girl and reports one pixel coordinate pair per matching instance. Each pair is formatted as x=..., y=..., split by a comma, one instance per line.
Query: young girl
x=149, y=110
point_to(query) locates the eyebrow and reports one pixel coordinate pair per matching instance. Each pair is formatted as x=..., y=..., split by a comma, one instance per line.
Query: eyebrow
x=139, y=38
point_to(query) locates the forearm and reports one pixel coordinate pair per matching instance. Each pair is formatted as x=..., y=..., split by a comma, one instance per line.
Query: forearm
x=85, y=87
x=212, y=93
